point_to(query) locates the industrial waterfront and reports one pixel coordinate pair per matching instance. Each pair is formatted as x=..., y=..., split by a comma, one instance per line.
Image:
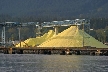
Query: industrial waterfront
x=53, y=35
x=72, y=50
x=73, y=40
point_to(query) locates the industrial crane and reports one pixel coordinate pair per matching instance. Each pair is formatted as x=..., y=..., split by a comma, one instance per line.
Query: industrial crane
x=56, y=24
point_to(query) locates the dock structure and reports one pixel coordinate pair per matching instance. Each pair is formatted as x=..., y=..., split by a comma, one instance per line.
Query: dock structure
x=56, y=50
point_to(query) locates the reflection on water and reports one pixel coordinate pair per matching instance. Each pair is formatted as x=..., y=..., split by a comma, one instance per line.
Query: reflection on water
x=52, y=63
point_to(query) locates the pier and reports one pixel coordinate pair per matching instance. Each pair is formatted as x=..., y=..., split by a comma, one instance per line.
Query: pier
x=56, y=50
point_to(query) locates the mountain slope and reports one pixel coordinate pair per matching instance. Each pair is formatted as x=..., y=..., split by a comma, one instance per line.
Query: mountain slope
x=62, y=8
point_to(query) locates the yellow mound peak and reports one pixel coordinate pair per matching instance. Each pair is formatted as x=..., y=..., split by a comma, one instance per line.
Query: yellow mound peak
x=72, y=37
x=36, y=41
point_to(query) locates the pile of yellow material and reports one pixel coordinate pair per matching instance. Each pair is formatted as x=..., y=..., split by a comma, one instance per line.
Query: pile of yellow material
x=32, y=42
x=72, y=37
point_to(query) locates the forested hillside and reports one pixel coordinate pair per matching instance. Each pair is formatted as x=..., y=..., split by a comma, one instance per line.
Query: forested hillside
x=55, y=8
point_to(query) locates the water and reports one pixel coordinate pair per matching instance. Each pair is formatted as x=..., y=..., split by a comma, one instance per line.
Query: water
x=52, y=63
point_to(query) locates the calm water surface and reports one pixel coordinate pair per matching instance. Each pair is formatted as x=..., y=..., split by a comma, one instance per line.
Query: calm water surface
x=52, y=63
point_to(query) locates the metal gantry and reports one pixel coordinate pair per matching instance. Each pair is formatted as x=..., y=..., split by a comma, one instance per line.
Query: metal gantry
x=77, y=22
x=66, y=23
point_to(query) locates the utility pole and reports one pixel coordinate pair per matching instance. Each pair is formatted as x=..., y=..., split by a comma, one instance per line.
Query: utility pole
x=19, y=35
x=3, y=37
x=83, y=34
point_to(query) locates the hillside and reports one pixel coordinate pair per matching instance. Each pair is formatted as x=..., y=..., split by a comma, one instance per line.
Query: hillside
x=55, y=8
